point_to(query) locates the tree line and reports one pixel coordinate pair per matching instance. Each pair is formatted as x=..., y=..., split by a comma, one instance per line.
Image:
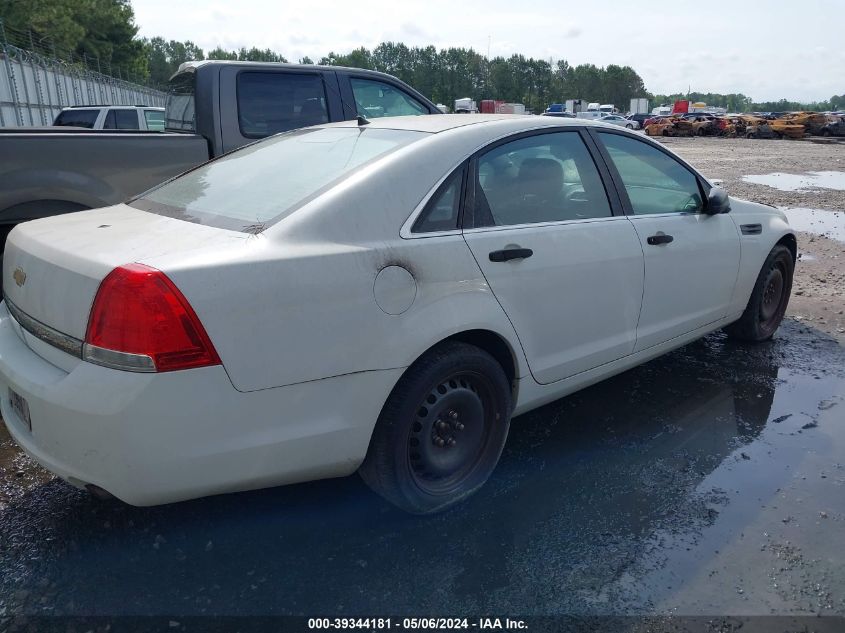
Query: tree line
x=105, y=30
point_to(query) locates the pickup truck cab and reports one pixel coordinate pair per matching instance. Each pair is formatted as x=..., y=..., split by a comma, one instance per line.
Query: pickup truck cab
x=234, y=103
x=212, y=108
x=112, y=118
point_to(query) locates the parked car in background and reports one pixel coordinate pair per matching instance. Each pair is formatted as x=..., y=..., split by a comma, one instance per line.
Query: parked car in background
x=212, y=108
x=669, y=126
x=112, y=118
x=615, y=119
x=759, y=128
x=640, y=118
x=834, y=128
x=693, y=116
x=704, y=125
x=377, y=296
x=562, y=115
x=788, y=128
x=655, y=119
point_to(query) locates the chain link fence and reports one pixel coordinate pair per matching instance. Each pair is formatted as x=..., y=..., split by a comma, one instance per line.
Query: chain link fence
x=37, y=81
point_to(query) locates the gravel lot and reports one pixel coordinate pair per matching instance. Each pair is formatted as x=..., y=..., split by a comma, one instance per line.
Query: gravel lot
x=707, y=482
x=819, y=286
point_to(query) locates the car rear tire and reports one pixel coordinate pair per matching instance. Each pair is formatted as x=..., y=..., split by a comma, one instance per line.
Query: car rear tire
x=441, y=432
x=769, y=299
x=629, y=126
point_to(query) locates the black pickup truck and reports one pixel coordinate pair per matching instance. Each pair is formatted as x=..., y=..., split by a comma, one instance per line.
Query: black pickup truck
x=213, y=107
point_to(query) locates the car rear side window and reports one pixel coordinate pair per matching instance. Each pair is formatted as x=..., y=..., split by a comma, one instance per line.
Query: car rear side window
x=442, y=211
x=655, y=182
x=378, y=99
x=119, y=119
x=542, y=178
x=77, y=118
x=262, y=183
x=155, y=120
x=273, y=102
x=179, y=109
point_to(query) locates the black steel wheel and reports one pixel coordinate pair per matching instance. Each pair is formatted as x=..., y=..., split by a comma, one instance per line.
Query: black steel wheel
x=441, y=431
x=769, y=299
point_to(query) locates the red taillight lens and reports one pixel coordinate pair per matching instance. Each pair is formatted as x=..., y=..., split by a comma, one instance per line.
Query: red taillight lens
x=138, y=311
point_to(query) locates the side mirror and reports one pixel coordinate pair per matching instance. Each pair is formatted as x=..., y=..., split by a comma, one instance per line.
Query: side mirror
x=717, y=201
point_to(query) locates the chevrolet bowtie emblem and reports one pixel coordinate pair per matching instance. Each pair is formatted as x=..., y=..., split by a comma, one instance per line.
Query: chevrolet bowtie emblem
x=20, y=276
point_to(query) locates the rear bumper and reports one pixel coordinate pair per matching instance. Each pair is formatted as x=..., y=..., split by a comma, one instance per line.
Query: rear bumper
x=158, y=438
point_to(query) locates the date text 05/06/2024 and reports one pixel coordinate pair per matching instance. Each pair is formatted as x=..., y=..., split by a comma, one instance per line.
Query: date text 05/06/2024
x=410, y=624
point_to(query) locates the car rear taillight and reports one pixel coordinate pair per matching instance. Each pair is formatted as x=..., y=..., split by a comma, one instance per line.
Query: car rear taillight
x=141, y=322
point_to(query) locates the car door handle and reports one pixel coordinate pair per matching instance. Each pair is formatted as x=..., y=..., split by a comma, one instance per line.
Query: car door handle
x=510, y=253
x=660, y=238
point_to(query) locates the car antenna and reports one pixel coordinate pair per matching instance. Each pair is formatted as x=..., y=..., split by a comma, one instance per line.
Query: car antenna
x=362, y=120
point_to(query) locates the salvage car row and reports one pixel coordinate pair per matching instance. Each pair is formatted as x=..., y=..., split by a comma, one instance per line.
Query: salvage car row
x=379, y=294
x=792, y=125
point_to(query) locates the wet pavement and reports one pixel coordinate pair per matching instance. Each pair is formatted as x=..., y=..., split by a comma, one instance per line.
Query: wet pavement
x=710, y=481
x=800, y=182
x=817, y=221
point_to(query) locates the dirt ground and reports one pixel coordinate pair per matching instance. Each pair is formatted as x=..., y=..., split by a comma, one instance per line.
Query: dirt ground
x=818, y=294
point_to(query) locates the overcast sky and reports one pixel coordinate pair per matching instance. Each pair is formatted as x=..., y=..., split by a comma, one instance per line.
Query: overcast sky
x=767, y=50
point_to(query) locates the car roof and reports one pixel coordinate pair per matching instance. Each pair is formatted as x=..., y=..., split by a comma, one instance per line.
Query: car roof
x=116, y=107
x=445, y=122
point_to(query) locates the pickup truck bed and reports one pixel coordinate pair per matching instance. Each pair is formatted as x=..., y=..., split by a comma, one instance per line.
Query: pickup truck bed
x=46, y=171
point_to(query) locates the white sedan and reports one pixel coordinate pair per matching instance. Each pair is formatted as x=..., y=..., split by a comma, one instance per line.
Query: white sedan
x=615, y=119
x=380, y=297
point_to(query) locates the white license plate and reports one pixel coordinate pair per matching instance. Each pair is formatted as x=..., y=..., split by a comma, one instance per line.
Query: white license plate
x=20, y=407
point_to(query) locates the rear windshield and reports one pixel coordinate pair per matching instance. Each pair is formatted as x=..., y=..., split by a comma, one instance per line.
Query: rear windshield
x=260, y=184
x=179, y=107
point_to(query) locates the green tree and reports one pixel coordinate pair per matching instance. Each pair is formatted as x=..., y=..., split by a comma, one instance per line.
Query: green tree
x=97, y=30
x=220, y=53
x=259, y=55
x=164, y=58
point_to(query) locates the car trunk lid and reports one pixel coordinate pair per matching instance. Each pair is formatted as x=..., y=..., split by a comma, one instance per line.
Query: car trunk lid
x=52, y=268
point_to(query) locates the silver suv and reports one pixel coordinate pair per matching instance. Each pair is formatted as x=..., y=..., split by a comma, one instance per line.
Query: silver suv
x=136, y=117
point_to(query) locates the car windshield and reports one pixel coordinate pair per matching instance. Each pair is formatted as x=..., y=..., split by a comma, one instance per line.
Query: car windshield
x=260, y=184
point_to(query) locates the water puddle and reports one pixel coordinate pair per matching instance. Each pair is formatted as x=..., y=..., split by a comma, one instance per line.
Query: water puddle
x=800, y=182
x=828, y=223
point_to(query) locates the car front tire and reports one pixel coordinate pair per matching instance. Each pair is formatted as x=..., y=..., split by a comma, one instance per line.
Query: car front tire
x=441, y=432
x=769, y=299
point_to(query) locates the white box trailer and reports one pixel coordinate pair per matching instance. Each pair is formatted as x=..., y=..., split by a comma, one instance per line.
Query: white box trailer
x=465, y=105
x=639, y=106
x=575, y=105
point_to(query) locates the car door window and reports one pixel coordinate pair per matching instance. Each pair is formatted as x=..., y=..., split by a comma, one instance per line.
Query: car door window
x=542, y=178
x=121, y=120
x=273, y=102
x=441, y=212
x=655, y=182
x=378, y=99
